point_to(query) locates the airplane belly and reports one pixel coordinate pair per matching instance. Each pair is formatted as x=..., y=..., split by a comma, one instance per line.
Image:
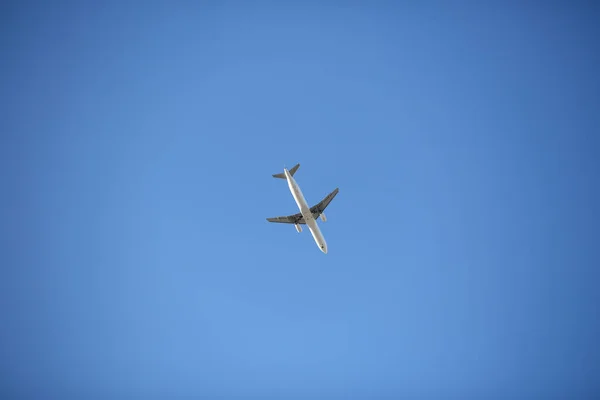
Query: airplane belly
x=311, y=223
x=300, y=200
x=317, y=235
x=306, y=213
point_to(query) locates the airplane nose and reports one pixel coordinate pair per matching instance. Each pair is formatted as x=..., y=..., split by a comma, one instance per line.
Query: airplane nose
x=324, y=248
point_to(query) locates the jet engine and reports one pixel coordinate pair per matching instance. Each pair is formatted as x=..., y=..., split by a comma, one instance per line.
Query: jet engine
x=298, y=228
x=323, y=217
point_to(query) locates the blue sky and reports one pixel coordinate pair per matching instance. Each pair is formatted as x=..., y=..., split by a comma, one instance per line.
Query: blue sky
x=137, y=147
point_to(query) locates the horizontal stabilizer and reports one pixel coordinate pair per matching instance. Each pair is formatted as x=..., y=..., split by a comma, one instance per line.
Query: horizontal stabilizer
x=291, y=171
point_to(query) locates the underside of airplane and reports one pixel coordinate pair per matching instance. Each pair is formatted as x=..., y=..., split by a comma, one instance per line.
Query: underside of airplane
x=315, y=210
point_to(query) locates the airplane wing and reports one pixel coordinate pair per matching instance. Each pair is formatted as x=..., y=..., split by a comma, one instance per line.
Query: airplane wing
x=290, y=219
x=319, y=208
x=315, y=210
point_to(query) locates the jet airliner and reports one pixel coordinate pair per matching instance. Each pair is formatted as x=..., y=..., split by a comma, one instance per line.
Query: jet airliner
x=307, y=215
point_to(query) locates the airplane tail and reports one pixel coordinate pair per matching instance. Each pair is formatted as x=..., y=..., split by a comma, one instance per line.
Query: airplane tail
x=291, y=171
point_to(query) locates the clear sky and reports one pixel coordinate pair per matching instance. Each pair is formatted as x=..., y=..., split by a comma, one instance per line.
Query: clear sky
x=137, y=145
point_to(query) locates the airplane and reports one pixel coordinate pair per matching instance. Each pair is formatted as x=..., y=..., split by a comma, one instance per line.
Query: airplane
x=307, y=215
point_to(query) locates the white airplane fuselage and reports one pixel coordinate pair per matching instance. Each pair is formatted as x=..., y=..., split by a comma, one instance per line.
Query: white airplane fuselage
x=305, y=211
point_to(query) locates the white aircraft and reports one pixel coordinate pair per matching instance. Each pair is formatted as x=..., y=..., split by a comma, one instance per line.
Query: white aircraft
x=307, y=215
